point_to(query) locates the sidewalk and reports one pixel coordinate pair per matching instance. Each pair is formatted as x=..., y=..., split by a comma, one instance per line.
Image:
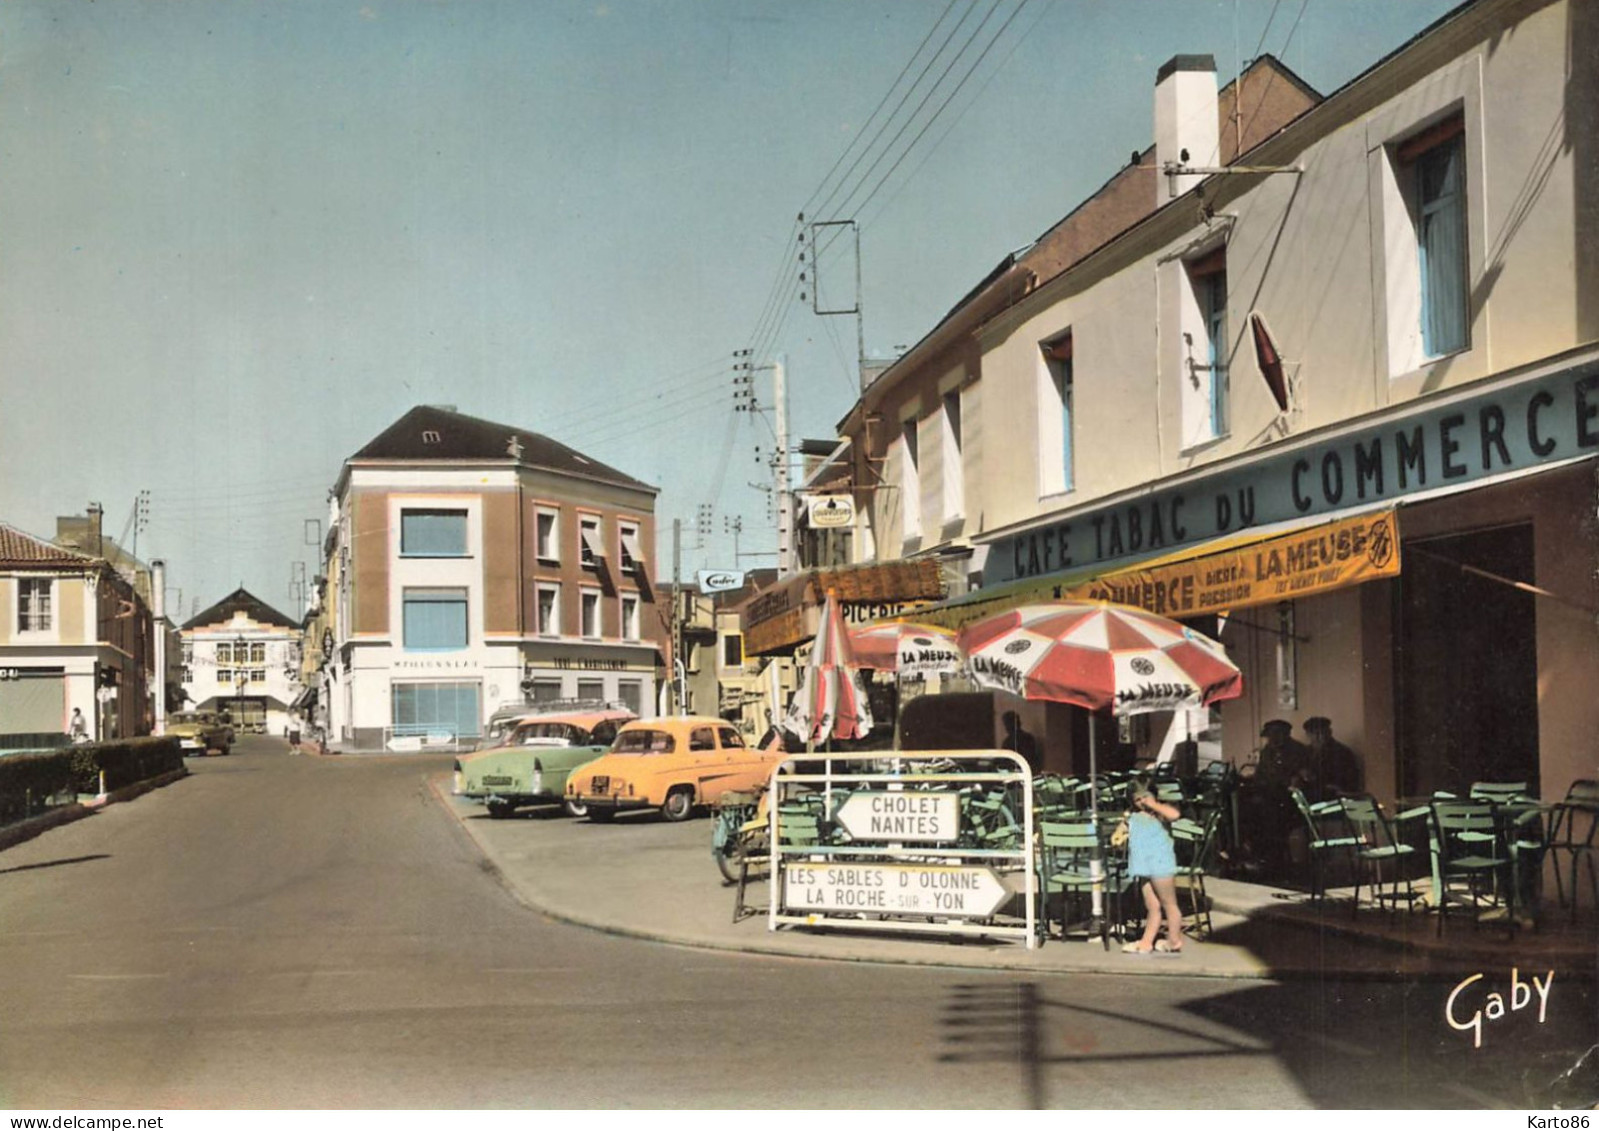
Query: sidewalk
x=646, y=878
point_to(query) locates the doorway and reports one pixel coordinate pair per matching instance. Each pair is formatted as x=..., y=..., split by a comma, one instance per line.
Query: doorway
x=1467, y=663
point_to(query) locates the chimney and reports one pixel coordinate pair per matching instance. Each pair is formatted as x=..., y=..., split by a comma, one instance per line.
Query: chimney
x=1185, y=119
x=96, y=541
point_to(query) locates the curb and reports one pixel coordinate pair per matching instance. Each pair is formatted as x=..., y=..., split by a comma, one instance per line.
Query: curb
x=1016, y=962
x=27, y=830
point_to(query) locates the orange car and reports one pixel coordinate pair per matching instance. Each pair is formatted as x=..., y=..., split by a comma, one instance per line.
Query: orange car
x=671, y=764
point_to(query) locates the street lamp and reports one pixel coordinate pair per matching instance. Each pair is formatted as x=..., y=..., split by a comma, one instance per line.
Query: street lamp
x=241, y=652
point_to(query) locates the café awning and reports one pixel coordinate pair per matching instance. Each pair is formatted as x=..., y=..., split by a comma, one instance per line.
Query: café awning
x=1256, y=567
x=786, y=614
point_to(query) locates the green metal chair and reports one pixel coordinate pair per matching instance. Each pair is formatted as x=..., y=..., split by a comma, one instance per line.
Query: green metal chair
x=1497, y=791
x=1066, y=853
x=1574, y=833
x=1467, y=849
x=1193, y=842
x=1319, y=840
x=1380, y=847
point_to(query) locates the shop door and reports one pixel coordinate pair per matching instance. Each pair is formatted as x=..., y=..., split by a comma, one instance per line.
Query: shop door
x=1467, y=663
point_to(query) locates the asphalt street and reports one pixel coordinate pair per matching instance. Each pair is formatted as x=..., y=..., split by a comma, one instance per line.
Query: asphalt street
x=292, y=932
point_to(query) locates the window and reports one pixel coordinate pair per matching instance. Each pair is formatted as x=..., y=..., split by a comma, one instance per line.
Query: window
x=257, y=675
x=629, y=617
x=954, y=466
x=632, y=557
x=591, y=548
x=910, y=481
x=188, y=652
x=436, y=708
x=1438, y=158
x=33, y=604
x=733, y=650
x=224, y=653
x=1055, y=432
x=547, y=531
x=731, y=739
x=592, y=689
x=434, y=619
x=630, y=692
x=546, y=690
x=188, y=675
x=548, y=600
x=224, y=675
x=641, y=741
x=258, y=653
x=590, y=613
x=433, y=533
x=1204, y=378
x=701, y=738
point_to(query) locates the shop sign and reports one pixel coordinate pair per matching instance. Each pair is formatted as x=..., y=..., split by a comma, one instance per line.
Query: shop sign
x=901, y=815
x=719, y=580
x=828, y=512
x=948, y=891
x=870, y=612
x=1303, y=564
x=1541, y=420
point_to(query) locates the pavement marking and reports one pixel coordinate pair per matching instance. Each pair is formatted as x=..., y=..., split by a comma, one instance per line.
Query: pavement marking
x=117, y=977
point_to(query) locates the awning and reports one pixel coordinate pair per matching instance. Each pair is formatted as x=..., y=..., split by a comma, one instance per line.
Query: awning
x=593, y=544
x=306, y=698
x=631, y=554
x=1258, y=567
x=785, y=614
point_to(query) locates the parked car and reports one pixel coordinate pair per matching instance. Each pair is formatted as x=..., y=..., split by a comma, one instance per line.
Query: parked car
x=200, y=732
x=531, y=763
x=671, y=764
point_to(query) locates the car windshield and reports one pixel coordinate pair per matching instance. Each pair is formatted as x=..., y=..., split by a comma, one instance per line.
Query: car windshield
x=644, y=742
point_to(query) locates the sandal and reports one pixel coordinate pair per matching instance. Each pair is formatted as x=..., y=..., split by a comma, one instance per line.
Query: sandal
x=1166, y=950
x=1134, y=948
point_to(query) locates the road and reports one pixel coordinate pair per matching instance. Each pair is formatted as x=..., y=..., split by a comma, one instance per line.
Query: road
x=280, y=931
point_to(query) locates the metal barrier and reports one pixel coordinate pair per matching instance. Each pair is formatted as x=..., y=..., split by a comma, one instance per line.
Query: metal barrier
x=908, y=841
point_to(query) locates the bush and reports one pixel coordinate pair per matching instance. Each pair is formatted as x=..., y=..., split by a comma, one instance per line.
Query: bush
x=26, y=780
x=125, y=762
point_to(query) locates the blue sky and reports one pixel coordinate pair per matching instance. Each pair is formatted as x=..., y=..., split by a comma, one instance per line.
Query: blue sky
x=237, y=240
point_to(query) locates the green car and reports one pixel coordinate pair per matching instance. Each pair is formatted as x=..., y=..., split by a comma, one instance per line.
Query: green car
x=530, y=766
x=200, y=732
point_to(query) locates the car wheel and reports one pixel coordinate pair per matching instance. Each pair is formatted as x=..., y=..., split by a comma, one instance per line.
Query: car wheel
x=601, y=816
x=679, y=804
x=500, y=810
x=574, y=807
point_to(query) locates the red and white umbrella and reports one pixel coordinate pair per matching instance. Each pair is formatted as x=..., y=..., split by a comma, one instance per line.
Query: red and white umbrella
x=908, y=648
x=831, y=700
x=1101, y=656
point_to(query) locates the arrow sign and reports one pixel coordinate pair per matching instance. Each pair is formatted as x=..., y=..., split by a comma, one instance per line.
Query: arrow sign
x=916, y=815
x=945, y=892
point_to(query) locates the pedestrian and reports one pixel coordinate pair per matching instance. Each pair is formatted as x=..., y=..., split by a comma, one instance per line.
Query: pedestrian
x=1152, y=862
x=1267, y=809
x=78, y=728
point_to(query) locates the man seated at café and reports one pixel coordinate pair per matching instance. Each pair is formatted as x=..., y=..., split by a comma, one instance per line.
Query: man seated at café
x=1332, y=769
x=1266, y=811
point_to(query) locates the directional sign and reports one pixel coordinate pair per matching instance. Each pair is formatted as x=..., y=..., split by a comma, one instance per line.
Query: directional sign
x=944, y=892
x=915, y=815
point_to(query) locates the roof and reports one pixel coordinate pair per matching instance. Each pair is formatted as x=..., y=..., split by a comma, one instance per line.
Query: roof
x=429, y=432
x=19, y=548
x=240, y=600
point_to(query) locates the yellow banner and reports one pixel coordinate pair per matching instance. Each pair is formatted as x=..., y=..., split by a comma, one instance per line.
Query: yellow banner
x=1302, y=564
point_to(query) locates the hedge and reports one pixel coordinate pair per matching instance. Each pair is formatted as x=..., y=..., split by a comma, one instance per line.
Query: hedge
x=28, y=780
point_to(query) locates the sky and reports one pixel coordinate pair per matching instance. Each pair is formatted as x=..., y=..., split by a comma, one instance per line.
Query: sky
x=240, y=239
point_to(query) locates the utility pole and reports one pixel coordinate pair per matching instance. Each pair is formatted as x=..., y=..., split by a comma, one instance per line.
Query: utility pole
x=678, y=667
x=785, y=501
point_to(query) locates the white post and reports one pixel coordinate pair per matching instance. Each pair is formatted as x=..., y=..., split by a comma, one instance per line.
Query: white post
x=158, y=612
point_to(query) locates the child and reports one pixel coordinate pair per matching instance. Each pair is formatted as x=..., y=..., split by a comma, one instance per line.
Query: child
x=1151, y=858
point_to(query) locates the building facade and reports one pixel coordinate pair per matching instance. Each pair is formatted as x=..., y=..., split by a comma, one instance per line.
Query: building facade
x=241, y=658
x=473, y=566
x=1338, y=404
x=76, y=643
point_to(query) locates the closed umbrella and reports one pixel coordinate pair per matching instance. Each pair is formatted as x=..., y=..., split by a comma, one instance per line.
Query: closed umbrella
x=831, y=701
x=1101, y=656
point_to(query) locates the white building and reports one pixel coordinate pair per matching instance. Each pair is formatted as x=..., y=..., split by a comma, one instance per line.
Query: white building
x=242, y=657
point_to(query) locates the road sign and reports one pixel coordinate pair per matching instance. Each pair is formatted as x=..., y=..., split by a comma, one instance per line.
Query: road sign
x=939, y=891
x=908, y=815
